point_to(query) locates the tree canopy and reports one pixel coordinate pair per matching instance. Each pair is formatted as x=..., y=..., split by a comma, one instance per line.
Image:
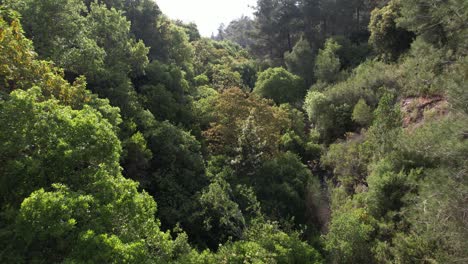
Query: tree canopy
x=313, y=131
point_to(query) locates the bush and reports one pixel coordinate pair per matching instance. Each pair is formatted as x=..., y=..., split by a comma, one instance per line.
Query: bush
x=281, y=86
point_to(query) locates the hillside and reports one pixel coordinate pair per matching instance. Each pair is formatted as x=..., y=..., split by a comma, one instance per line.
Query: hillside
x=317, y=131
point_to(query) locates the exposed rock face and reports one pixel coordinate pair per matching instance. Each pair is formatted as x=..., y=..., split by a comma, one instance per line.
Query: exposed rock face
x=415, y=110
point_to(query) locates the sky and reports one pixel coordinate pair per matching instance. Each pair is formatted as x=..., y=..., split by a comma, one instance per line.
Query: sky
x=207, y=14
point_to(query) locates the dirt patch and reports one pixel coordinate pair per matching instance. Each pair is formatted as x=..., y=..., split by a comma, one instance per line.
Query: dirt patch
x=416, y=110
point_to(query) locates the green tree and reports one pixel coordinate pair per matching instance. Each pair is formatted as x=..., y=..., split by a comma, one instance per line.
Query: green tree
x=60, y=34
x=223, y=218
x=362, y=113
x=327, y=63
x=386, y=37
x=455, y=80
x=301, y=61
x=266, y=243
x=349, y=236
x=386, y=126
x=178, y=174
x=349, y=161
x=276, y=26
x=240, y=31
x=191, y=30
x=319, y=110
x=280, y=85
x=164, y=91
x=61, y=185
x=250, y=149
x=282, y=185
x=437, y=22
x=231, y=110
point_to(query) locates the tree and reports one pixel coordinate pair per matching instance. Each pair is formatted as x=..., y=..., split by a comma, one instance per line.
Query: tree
x=327, y=63
x=177, y=49
x=178, y=174
x=191, y=30
x=280, y=85
x=60, y=172
x=111, y=31
x=349, y=161
x=282, y=185
x=62, y=184
x=164, y=91
x=265, y=242
x=386, y=37
x=144, y=16
x=250, y=149
x=386, y=126
x=362, y=113
x=231, y=109
x=240, y=31
x=455, y=79
x=301, y=61
x=275, y=29
x=225, y=78
x=349, y=237
x=223, y=218
x=21, y=69
x=319, y=110
x=437, y=22
x=60, y=34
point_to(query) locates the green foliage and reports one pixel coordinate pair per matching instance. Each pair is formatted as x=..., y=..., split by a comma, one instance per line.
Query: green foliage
x=239, y=31
x=456, y=78
x=201, y=80
x=301, y=61
x=224, y=152
x=110, y=30
x=351, y=54
x=250, y=149
x=22, y=70
x=387, y=188
x=349, y=237
x=386, y=126
x=61, y=179
x=79, y=142
x=225, y=63
x=327, y=63
x=387, y=38
x=277, y=23
x=320, y=111
x=248, y=72
x=61, y=34
x=438, y=22
x=296, y=139
x=421, y=71
x=231, y=110
x=203, y=105
x=223, y=219
x=282, y=185
x=362, y=113
x=136, y=157
x=178, y=49
x=349, y=161
x=178, y=173
x=439, y=232
x=266, y=243
x=164, y=93
x=191, y=30
x=224, y=78
x=280, y=85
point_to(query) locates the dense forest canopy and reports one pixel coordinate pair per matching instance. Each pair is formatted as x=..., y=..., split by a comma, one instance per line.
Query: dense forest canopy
x=317, y=131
